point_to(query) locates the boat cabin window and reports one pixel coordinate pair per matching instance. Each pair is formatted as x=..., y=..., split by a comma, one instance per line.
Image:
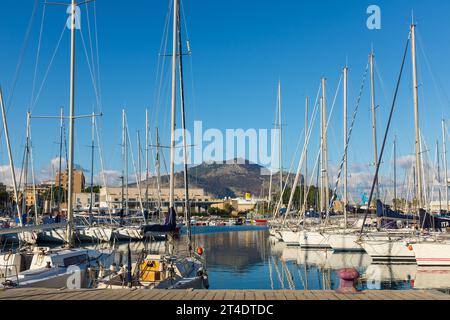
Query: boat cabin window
x=75, y=260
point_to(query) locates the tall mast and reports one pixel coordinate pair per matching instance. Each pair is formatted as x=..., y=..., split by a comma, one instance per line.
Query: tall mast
x=91, y=205
x=147, y=159
x=124, y=205
x=25, y=170
x=138, y=137
x=322, y=165
x=70, y=226
x=395, y=173
x=187, y=206
x=61, y=132
x=325, y=145
x=439, y=175
x=345, y=144
x=11, y=161
x=444, y=142
x=280, y=152
x=305, y=186
x=127, y=199
x=158, y=169
x=174, y=103
x=419, y=185
x=374, y=119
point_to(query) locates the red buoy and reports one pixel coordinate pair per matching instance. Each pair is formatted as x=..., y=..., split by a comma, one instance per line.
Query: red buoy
x=200, y=251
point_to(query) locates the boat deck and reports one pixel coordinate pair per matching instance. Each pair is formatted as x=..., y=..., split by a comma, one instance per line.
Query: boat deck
x=230, y=295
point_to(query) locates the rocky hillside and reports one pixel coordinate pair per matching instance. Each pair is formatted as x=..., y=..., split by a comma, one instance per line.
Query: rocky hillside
x=225, y=180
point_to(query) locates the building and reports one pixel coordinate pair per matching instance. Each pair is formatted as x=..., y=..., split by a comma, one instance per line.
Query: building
x=83, y=200
x=112, y=198
x=246, y=204
x=79, y=181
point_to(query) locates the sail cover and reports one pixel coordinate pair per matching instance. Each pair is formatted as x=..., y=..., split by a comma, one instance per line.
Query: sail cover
x=170, y=224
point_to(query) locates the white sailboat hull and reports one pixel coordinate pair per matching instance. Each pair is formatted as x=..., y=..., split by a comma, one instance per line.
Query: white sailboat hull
x=388, y=250
x=290, y=238
x=57, y=236
x=127, y=234
x=432, y=254
x=344, y=242
x=28, y=237
x=94, y=234
x=313, y=240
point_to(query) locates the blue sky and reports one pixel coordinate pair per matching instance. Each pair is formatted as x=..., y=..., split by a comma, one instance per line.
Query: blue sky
x=240, y=50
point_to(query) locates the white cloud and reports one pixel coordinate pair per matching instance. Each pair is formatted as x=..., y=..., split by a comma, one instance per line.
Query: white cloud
x=113, y=178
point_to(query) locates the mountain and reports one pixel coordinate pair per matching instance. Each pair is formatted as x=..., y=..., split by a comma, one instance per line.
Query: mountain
x=222, y=180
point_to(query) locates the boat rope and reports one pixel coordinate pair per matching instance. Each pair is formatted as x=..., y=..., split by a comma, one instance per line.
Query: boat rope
x=386, y=135
x=135, y=171
x=103, y=173
x=48, y=69
x=38, y=55
x=22, y=56
x=349, y=135
x=278, y=207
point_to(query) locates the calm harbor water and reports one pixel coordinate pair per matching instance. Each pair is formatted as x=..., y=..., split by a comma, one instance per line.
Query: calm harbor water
x=253, y=260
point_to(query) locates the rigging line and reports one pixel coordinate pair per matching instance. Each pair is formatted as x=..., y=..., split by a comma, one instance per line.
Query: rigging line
x=349, y=135
x=380, y=78
x=38, y=55
x=135, y=169
x=386, y=134
x=22, y=55
x=305, y=147
x=161, y=65
x=105, y=183
x=94, y=84
x=278, y=207
x=48, y=70
x=98, y=57
x=91, y=48
x=433, y=77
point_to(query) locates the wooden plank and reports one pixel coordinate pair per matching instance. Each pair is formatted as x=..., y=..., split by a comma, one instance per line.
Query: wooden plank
x=241, y=295
x=220, y=295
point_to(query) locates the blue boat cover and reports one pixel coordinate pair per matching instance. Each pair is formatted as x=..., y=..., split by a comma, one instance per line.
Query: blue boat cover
x=170, y=224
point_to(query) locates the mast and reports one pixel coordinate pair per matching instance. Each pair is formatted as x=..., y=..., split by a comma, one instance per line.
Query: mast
x=325, y=146
x=395, y=173
x=158, y=169
x=147, y=159
x=322, y=166
x=345, y=144
x=124, y=205
x=305, y=187
x=374, y=119
x=92, y=165
x=139, y=156
x=444, y=142
x=61, y=132
x=25, y=170
x=416, y=118
x=70, y=226
x=125, y=134
x=11, y=161
x=280, y=152
x=439, y=176
x=187, y=206
x=174, y=103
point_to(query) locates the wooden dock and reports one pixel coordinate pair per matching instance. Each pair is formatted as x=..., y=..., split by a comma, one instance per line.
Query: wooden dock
x=229, y=295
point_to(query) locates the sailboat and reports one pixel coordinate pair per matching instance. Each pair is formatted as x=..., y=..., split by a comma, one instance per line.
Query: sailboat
x=48, y=268
x=397, y=247
x=168, y=270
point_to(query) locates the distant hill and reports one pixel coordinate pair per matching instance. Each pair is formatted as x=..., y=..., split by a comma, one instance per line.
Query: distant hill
x=222, y=180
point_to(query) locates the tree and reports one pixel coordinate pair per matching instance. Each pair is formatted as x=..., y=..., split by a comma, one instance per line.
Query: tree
x=96, y=189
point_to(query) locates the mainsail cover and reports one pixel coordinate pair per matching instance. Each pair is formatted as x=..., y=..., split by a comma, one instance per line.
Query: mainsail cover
x=170, y=224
